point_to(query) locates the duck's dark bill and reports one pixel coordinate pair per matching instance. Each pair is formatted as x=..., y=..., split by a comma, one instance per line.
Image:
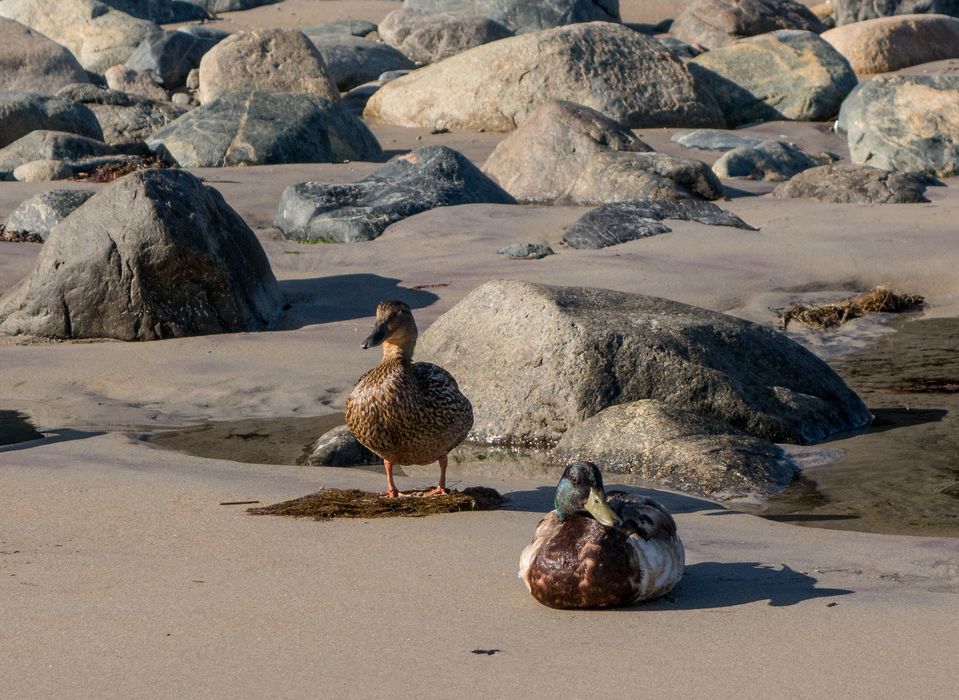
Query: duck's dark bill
x=376, y=337
x=599, y=509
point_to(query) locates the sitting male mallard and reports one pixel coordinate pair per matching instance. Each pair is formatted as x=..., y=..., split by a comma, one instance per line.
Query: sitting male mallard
x=590, y=553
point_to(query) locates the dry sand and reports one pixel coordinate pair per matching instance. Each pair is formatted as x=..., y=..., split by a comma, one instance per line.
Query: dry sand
x=121, y=576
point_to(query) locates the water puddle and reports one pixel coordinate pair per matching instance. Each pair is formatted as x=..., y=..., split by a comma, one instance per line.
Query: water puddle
x=899, y=477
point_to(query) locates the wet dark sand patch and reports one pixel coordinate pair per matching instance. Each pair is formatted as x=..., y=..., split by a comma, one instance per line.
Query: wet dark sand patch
x=330, y=503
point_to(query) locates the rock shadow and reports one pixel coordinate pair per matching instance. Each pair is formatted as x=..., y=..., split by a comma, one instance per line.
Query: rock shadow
x=892, y=418
x=714, y=584
x=16, y=427
x=50, y=437
x=342, y=297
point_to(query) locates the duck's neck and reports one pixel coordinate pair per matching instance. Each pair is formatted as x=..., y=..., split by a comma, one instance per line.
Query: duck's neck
x=399, y=352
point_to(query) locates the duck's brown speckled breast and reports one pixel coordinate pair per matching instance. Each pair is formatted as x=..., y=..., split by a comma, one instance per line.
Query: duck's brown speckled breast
x=408, y=414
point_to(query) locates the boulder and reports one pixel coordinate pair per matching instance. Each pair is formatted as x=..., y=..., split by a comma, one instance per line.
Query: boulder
x=677, y=449
x=50, y=145
x=38, y=215
x=769, y=160
x=217, y=6
x=428, y=38
x=153, y=255
x=615, y=176
x=172, y=55
x=526, y=251
x=31, y=61
x=42, y=171
x=850, y=183
x=612, y=224
x=261, y=127
x=627, y=76
x=23, y=112
x=537, y=360
x=786, y=74
x=160, y=11
x=890, y=43
x=123, y=79
x=714, y=139
x=338, y=448
x=849, y=11
x=429, y=177
x=98, y=35
x=908, y=123
x=352, y=61
x=523, y=16
x=124, y=119
x=713, y=23
x=538, y=161
x=279, y=60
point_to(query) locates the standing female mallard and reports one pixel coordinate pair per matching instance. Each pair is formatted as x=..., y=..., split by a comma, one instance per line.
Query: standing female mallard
x=590, y=553
x=406, y=412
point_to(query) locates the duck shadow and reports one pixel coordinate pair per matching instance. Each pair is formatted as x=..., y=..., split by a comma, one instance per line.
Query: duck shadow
x=540, y=500
x=342, y=297
x=714, y=584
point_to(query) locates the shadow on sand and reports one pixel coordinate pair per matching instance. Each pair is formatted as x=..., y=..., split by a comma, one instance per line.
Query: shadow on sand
x=49, y=438
x=342, y=297
x=713, y=584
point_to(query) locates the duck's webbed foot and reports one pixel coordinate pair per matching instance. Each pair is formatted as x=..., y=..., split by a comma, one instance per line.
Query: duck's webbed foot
x=440, y=489
x=391, y=490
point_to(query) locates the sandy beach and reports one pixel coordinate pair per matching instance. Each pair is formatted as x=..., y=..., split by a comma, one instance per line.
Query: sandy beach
x=122, y=575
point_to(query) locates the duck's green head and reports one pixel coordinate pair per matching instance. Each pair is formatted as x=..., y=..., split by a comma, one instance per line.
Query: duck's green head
x=580, y=491
x=394, y=325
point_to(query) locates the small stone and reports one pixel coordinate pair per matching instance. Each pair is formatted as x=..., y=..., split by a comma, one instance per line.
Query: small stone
x=339, y=448
x=42, y=170
x=769, y=160
x=527, y=251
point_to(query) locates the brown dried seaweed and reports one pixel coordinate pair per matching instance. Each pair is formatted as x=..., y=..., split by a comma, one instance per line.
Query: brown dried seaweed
x=876, y=300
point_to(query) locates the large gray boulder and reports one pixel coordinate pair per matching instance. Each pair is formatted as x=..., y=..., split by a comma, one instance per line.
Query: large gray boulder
x=31, y=61
x=216, y=6
x=713, y=23
x=124, y=118
x=339, y=448
x=770, y=160
x=537, y=360
x=172, y=55
x=616, y=176
x=429, y=177
x=35, y=217
x=612, y=224
x=851, y=183
x=50, y=145
x=353, y=60
x=627, y=76
x=525, y=15
x=261, y=127
x=849, y=11
x=677, y=449
x=908, y=123
x=539, y=161
x=431, y=37
x=23, y=112
x=131, y=82
x=98, y=35
x=787, y=74
x=278, y=60
x=890, y=43
x=153, y=255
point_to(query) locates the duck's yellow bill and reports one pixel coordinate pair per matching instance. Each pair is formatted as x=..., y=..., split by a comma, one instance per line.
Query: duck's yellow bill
x=597, y=507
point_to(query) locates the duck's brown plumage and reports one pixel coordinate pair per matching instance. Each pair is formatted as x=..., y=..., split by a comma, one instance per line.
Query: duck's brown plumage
x=581, y=563
x=406, y=412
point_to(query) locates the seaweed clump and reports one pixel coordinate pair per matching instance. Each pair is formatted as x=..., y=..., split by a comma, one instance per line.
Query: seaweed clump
x=330, y=503
x=876, y=300
x=109, y=172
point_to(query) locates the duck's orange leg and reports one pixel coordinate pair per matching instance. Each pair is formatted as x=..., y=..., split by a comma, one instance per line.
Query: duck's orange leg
x=391, y=491
x=440, y=490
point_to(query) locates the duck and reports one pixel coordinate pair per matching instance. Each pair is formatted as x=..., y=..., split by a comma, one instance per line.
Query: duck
x=599, y=552
x=403, y=411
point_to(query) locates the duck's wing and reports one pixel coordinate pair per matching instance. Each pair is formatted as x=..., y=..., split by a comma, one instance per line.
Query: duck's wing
x=441, y=389
x=642, y=515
